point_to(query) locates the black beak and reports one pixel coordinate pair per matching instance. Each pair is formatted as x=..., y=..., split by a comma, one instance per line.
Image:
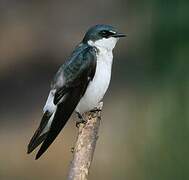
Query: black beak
x=117, y=35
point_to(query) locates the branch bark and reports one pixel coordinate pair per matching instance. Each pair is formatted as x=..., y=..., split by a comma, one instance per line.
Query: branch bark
x=85, y=145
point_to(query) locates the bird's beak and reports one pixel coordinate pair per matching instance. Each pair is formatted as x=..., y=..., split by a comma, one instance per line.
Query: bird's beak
x=117, y=35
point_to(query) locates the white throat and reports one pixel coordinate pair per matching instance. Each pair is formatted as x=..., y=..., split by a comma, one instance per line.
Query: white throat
x=104, y=43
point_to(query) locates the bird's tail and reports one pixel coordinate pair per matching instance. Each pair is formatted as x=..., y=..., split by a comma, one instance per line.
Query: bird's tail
x=40, y=134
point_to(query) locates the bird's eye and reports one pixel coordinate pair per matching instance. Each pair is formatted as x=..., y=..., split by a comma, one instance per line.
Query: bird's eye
x=106, y=33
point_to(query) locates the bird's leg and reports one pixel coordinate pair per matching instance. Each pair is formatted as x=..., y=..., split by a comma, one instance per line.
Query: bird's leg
x=80, y=119
x=96, y=109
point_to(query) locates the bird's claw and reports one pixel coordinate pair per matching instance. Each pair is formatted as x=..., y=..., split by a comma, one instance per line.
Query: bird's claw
x=95, y=110
x=72, y=150
x=98, y=108
x=81, y=120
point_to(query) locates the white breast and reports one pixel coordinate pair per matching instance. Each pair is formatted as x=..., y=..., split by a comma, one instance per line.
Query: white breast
x=99, y=85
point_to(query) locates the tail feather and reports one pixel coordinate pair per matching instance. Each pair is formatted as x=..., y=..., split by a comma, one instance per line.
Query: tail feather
x=61, y=117
x=36, y=143
x=62, y=114
x=38, y=136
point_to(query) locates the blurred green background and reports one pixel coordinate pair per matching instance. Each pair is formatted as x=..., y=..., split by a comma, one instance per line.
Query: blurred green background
x=144, y=132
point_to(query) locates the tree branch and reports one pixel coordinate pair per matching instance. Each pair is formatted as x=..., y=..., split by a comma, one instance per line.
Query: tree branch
x=85, y=145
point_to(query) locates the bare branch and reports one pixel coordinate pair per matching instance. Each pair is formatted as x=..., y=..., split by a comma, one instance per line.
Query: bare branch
x=85, y=145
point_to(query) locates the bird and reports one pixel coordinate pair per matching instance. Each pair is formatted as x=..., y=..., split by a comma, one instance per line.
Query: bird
x=79, y=84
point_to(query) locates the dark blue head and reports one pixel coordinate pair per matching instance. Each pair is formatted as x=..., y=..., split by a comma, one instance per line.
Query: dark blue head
x=101, y=31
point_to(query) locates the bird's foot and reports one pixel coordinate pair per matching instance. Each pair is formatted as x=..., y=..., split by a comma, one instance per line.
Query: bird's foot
x=72, y=150
x=80, y=120
x=92, y=113
x=98, y=108
x=95, y=110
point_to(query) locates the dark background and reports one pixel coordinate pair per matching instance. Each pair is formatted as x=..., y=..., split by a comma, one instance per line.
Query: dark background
x=144, y=131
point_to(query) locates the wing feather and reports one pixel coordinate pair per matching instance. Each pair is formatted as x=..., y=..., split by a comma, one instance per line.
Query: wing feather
x=63, y=113
x=79, y=71
x=38, y=137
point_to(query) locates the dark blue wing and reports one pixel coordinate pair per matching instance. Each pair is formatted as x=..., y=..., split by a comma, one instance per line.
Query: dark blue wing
x=78, y=72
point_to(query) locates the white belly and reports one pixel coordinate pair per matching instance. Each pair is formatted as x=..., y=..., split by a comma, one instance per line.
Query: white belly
x=99, y=85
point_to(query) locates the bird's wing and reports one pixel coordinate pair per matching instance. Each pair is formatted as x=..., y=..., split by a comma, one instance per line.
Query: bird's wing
x=78, y=72
x=70, y=75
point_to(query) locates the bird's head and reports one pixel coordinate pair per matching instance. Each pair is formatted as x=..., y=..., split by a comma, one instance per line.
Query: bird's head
x=102, y=36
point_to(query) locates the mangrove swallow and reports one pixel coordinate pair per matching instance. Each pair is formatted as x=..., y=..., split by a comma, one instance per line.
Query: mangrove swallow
x=79, y=85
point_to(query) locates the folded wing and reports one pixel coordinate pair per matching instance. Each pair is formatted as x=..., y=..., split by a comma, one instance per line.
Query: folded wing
x=77, y=73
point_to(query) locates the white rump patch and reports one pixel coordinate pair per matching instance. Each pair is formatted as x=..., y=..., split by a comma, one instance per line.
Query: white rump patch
x=50, y=106
x=47, y=127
